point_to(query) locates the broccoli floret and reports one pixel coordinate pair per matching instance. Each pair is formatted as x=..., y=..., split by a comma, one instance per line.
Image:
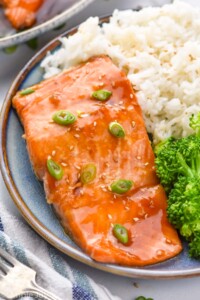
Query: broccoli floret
x=178, y=166
x=194, y=250
x=166, y=162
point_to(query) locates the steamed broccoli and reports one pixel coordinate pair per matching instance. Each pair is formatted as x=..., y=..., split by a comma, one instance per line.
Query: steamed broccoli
x=178, y=166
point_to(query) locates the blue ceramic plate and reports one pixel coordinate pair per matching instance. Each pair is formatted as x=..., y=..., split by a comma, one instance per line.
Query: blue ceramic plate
x=51, y=15
x=28, y=194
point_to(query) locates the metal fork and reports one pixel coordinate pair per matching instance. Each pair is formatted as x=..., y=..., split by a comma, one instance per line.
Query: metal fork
x=19, y=280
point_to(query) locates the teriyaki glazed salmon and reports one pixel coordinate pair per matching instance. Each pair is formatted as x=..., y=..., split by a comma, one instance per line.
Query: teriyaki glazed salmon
x=21, y=13
x=87, y=142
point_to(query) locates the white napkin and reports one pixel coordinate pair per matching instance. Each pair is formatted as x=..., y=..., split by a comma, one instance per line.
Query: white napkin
x=53, y=271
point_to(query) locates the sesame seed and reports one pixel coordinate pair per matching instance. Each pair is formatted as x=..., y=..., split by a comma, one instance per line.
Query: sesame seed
x=71, y=148
x=70, y=187
x=53, y=152
x=146, y=164
x=136, y=284
x=77, y=129
x=138, y=157
x=79, y=112
x=81, y=192
x=24, y=136
x=146, y=216
x=100, y=77
x=131, y=96
x=113, y=84
x=121, y=102
x=51, y=121
x=135, y=219
x=77, y=136
x=77, y=167
x=151, y=203
x=49, y=157
x=84, y=115
x=109, y=188
x=133, y=124
x=168, y=241
x=115, y=197
x=95, y=124
x=109, y=216
x=127, y=208
x=64, y=164
x=111, y=224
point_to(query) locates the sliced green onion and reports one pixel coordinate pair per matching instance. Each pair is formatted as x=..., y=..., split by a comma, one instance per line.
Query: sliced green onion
x=64, y=117
x=88, y=173
x=101, y=95
x=54, y=169
x=121, y=233
x=10, y=50
x=116, y=130
x=121, y=186
x=26, y=92
x=33, y=43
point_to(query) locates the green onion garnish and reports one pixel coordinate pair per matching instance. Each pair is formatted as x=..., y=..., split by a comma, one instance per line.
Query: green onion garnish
x=10, y=50
x=88, y=173
x=121, y=233
x=101, y=95
x=54, y=169
x=116, y=130
x=26, y=92
x=121, y=186
x=64, y=117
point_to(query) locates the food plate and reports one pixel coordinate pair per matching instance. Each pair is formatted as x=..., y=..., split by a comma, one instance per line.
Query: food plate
x=28, y=194
x=51, y=15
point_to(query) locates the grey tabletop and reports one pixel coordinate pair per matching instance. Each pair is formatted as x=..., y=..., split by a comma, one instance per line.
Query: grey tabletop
x=126, y=288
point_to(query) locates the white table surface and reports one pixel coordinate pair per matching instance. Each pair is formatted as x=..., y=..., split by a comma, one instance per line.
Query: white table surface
x=123, y=287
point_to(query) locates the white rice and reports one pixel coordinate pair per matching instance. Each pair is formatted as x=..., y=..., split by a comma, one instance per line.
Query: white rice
x=159, y=48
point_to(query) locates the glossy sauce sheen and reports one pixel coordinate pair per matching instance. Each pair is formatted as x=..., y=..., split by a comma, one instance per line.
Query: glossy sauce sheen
x=21, y=13
x=88, y=212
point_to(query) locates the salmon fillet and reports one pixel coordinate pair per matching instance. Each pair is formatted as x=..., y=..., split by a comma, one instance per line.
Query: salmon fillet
x=21, y=13
x=88, y=212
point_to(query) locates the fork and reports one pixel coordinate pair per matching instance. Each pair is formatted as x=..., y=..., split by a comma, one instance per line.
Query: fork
x=19, y=280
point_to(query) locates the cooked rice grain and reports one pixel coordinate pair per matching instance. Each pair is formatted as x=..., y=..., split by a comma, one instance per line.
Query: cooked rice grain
x=160, y=50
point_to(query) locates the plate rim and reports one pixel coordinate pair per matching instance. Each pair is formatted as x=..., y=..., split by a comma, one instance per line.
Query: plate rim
x=43, y=231
x=37, y=30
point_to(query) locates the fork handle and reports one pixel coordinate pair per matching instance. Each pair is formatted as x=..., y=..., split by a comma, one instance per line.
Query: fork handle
x=39, y=291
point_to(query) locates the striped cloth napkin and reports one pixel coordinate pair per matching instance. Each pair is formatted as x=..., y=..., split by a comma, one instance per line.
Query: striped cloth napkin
x=53, y=271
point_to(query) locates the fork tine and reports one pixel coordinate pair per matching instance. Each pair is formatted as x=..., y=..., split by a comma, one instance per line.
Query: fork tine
x=5, y=268
x=8, y=257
